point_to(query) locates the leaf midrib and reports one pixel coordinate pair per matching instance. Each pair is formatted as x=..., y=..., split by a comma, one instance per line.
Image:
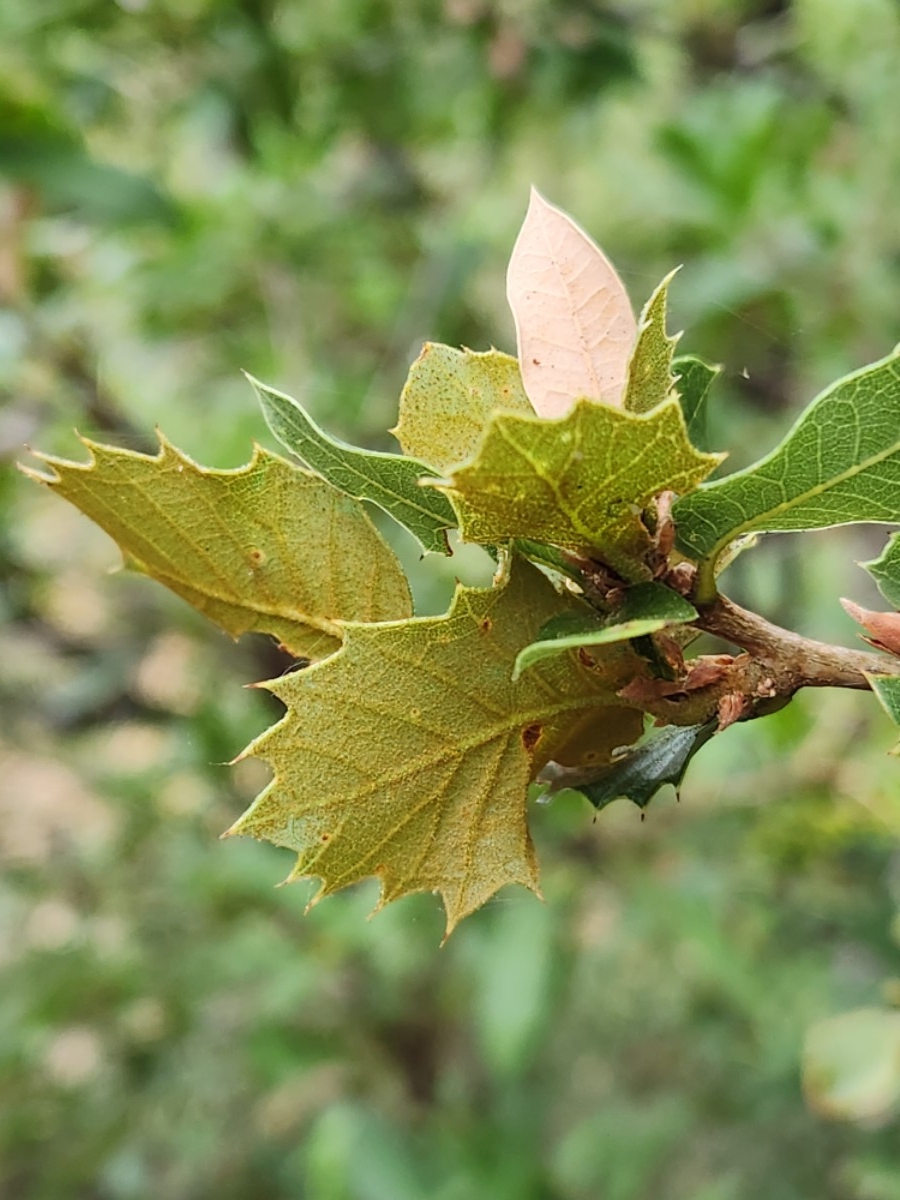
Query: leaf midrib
x=300, y=423
x=810, y=494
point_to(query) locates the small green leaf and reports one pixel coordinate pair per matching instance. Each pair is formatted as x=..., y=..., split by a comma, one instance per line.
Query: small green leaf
x=546, y=556
x=693, y=379
x=268, y=547
x=886, y=570
x=839, y=464
x=650, y=378
x=647, y=608
x=887, y=689
x=641, y=773
x=578, y=481
x=851, y=1065
x=389, y=480
x=448, y=398
x=408, y=753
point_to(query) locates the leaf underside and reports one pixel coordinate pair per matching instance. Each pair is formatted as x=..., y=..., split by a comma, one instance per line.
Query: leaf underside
x=448, y=399
x=839, y=464
x=578, y=481
x=267, y=547
x=407, y=755
x=389, y=480
x=575, y=329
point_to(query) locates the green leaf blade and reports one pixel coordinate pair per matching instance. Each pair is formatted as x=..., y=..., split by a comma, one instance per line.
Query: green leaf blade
x=577, y=481
x=693, y=380
x=448, y=399
x=639, y=776
x=406, y=756
x=650, y=377
x=389, y=480
x=266, y=548
x=885, y=570
x=647, y=608
x=839, y=464
x=887, y=689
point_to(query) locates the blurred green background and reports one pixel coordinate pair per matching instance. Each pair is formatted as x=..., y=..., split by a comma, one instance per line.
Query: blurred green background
x=307, y=191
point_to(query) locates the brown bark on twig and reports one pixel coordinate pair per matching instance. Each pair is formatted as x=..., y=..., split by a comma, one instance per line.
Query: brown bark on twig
x=774, y=665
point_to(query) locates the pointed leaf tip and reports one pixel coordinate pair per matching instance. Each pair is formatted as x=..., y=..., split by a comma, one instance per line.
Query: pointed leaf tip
x=210, y=536
x=575, y=328
x=650, y=372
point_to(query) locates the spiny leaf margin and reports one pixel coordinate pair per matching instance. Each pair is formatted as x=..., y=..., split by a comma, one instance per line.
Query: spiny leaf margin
x=267, y=547
x=399, y=732
x=650, y=377
x=448, y=398
x=885, y=570
x=576, y=481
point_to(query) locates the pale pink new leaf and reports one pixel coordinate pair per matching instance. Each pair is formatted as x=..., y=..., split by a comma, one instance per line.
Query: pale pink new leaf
x=575, y=327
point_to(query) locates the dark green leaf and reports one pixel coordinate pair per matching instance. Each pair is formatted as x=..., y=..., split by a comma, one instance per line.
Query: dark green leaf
x=640, y=775
x=389, y=480
x=693, y=379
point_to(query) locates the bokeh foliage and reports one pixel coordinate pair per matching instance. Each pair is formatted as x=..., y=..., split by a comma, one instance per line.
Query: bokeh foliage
x=191, y=187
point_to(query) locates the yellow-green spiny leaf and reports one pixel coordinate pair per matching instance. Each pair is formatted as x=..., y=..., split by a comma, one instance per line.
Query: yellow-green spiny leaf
x=579, y=481
x=407, y=755
x=267, y=547
x=448, y=398
x=650, y=378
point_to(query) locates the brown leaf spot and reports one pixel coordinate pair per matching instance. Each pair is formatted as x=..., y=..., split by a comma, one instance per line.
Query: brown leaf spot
x=257, y=558
x=531, y=735
x=486, y=625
